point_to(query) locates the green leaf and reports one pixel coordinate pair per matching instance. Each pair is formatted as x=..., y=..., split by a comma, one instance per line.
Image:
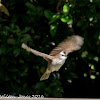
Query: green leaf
x=16, y=52
x=26, y=29
x=30, y=6
x=26, y=38
x=66, y=8
x=48, y=14
x=11, y=41
x=13, y=70
x=92, y=76
x=31, y=13
x=53, y=29
x=97, y=73
x=14, y=28
x=70, y=21
x=54, y=18
x=80, y=23
x=84, y=54
x=96, y=59
x=85, y=74
x=2, y=50
x=65, y=19
x=3, y=20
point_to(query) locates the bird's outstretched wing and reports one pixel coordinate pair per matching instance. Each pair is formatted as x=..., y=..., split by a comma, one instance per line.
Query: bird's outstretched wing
x=37, y=53
x=70, y=44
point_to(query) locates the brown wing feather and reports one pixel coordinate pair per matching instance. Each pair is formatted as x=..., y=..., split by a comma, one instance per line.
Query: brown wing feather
x=37, y=53
x=70, y=44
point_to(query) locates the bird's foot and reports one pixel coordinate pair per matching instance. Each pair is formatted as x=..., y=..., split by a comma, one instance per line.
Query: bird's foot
x=56, y=75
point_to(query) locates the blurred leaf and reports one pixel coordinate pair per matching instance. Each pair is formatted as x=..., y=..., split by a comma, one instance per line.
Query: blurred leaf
x=84, y=54
x=48, y=14
x=3, y=20
x=66, y=8
x=42, y=70
x=92, y=76
x=26, y=38
x=40, y=85
x=2, y=50
x=65, y=19
x=96, y=59
x=11, y=41
x=26, y=29
x=13, y=69
x=21, y=61
x=80, y=23
x=85, y=75
x=97, y=73
x=30, y=12
x=54, y=18
x=37, y=37
x=16, y=52
x=70, y=21
x=73, y=75
x=13, y=28
x=30, y=6
x=53, y=29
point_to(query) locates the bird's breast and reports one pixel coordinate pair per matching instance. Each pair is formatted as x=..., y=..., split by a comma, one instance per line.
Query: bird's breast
x=58, y=61
x=56, y=64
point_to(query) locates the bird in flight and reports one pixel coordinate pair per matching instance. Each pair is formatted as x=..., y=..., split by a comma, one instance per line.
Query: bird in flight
x=58, y=55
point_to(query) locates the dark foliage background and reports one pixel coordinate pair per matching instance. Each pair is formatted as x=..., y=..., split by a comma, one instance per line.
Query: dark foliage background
x=41, y=24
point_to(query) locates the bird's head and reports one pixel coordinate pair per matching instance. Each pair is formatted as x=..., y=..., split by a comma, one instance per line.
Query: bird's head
x=63, y=55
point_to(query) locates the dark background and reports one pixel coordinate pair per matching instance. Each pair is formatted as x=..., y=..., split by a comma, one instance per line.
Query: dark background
x=40, y=24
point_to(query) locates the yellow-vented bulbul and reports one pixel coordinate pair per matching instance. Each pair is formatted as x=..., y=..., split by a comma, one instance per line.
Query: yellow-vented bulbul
x=58, y=55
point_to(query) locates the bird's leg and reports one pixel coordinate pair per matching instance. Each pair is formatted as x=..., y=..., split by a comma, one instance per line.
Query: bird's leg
x=56, y=75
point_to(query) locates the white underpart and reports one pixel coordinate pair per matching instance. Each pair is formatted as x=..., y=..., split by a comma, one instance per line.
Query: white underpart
x=58, y=62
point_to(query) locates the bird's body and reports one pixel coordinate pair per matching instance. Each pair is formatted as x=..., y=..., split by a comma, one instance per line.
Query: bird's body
x=58, y=55
x=56, y=64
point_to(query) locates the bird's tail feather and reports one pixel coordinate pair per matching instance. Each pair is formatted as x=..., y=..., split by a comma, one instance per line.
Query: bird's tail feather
x=45, y=76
